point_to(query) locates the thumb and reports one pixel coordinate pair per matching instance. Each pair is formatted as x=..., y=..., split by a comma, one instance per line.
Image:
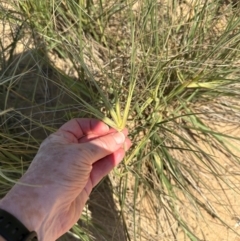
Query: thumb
x=103, y=146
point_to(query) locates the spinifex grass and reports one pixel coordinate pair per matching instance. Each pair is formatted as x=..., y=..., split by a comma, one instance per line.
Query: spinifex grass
x=168, y=71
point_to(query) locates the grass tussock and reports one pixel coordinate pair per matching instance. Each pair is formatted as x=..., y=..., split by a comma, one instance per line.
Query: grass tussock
x=167, y=70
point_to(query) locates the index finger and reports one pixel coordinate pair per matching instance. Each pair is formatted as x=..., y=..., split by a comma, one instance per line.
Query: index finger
x=81, y=127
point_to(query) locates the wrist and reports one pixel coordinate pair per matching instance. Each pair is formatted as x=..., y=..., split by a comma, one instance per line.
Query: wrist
x=23, y=202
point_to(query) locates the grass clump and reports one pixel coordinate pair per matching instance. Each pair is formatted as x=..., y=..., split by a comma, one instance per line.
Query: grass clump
x=169, y=71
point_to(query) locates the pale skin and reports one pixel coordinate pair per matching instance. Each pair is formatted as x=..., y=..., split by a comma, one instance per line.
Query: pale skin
x=68, y=165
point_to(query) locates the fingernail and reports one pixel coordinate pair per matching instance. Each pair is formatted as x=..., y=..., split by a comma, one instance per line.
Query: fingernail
x=106, y=128
x=119, y=137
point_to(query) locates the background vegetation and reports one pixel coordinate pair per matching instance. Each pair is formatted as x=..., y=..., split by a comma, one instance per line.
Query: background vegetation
x=168, y=70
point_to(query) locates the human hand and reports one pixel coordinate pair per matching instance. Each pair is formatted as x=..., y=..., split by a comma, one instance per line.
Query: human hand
x=69, y=163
